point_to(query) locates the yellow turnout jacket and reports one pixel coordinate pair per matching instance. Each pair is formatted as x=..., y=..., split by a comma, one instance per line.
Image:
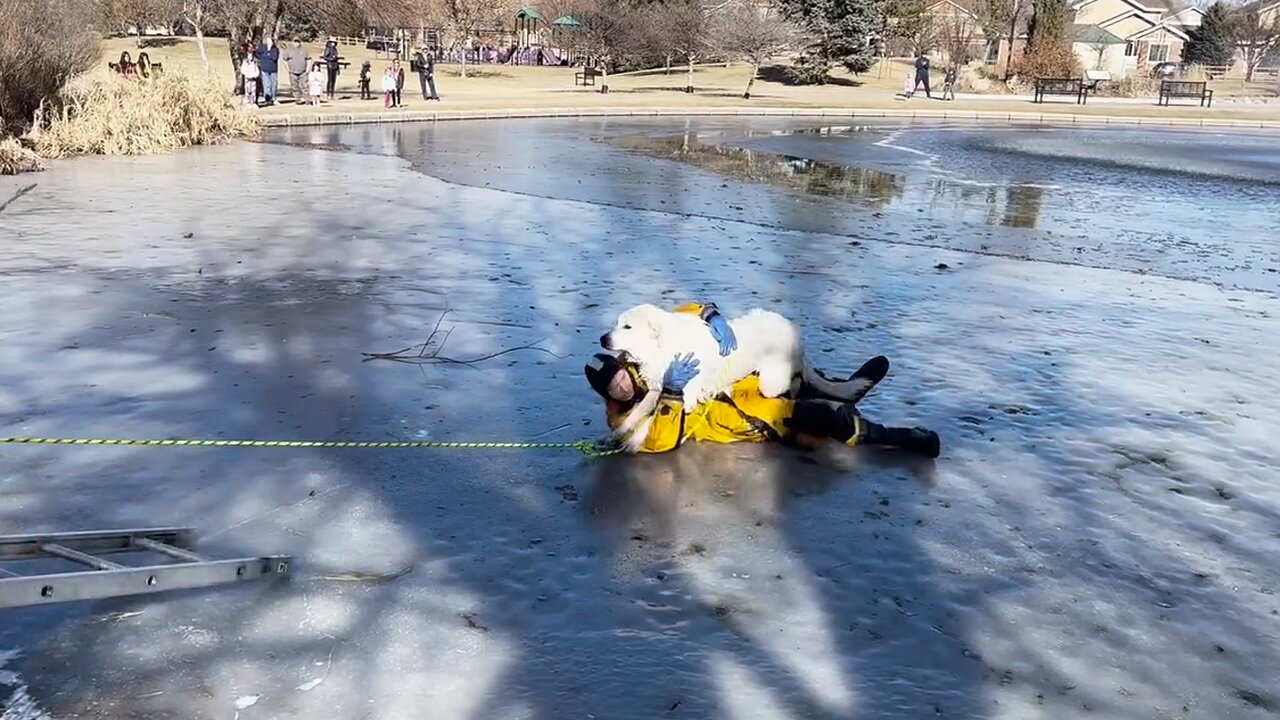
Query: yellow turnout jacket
x=741, y=414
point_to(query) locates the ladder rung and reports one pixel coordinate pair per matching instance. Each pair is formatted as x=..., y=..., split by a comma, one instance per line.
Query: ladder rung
x=173, y=552
x=82, y=558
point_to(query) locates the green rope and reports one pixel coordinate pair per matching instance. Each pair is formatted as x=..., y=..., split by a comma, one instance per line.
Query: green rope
x=586, y=447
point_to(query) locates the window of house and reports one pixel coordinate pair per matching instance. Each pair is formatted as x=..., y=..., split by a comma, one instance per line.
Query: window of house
x=1131, y=49
x=1158, y=53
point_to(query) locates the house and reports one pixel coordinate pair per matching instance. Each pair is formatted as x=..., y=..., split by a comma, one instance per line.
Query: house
x=1152, y=31
x=1120, y=36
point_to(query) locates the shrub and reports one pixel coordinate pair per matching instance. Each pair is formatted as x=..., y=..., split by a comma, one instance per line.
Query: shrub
x=1135, y=85
x=43, y=44
x=114, y=115
x=17, y=158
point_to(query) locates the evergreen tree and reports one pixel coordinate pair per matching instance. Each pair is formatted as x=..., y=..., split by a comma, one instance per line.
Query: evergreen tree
x=1048, y=52
x=1214, y=42
x=835, y=31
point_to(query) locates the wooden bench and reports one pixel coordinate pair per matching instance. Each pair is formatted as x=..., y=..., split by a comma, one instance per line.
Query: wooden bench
x=1185, y=89
x=1062, y=86
x=586, y=77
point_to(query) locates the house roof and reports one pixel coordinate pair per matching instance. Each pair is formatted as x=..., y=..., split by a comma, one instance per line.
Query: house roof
x=1171, y=28
x=1094, y=35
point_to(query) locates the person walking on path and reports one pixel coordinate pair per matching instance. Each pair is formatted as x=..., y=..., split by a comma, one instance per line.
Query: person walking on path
x=268, y=56
x=331, y=58
x=922, y=75
x=295, y=59
x=426, y=65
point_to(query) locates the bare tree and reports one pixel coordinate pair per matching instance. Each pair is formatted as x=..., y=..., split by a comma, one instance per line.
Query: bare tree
x=752, y=34
x=683, y=30
x=955, y=34
x=1000, y=20
x=464, y=18
x=608, y=29
x=1257, y=39
x=193, y=13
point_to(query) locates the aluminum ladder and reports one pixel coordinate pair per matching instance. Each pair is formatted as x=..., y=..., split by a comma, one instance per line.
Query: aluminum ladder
x=107, y=578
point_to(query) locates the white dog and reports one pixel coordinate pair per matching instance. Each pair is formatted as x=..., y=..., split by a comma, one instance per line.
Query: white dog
x=768, y=344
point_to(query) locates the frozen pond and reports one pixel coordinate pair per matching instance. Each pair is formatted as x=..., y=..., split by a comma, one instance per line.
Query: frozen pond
x=1087, y=317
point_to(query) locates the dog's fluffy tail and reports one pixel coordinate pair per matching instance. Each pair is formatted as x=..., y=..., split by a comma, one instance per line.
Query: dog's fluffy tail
x=817, y=385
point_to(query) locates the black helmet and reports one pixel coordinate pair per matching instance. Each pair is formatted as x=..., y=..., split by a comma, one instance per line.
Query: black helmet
x=603, y=367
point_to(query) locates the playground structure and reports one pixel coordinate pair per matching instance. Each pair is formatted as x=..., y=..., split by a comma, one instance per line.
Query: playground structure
x=528, y=41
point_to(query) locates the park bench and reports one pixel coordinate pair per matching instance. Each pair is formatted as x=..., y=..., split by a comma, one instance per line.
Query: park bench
x=586, y=77
x=1062, y=86
x=1185, y=89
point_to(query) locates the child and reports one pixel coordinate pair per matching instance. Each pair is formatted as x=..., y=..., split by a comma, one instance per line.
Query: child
x=315, y=83
x=365, y=70
x=949, y=83
x=398, y=71
x=388, y=87
x=249, y=69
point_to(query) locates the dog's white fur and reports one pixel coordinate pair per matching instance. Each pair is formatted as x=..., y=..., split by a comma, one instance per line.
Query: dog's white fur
x=768, y=344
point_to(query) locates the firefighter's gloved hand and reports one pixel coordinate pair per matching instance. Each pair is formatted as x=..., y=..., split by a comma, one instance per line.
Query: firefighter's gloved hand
x=681, y=370
x=722, y=333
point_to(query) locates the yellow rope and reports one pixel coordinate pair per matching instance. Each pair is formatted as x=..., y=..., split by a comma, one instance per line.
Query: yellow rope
x=586, y=447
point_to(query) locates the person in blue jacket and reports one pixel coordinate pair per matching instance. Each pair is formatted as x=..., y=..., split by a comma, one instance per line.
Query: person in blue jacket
x=268, y=56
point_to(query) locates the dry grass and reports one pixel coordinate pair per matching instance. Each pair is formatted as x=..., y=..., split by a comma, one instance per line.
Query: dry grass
x=16, y=158
x=111, y=115
x=43, y=43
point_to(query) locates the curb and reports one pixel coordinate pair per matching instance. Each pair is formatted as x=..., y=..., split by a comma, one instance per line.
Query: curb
x=278, y=121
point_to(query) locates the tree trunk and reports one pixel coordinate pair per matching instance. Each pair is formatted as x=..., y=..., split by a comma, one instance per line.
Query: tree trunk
x=604, y=77
x=204, y=53
x=1013, y=33
x=235, y=47
x=464, y=61
x=668, y=65
x=755, y=70
x=689, y=87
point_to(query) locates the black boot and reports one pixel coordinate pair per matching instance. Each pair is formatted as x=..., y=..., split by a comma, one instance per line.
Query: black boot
x=914, y=440
x=871, y=373
x=852, y=390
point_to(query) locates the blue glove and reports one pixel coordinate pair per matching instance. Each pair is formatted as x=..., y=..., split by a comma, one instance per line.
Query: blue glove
x=723, y=334
x=681, y=370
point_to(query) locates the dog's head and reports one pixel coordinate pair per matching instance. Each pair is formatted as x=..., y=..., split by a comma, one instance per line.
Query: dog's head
x=636, y=330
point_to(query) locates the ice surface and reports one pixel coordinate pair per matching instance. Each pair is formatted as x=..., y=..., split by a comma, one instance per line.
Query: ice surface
x=1098, y=539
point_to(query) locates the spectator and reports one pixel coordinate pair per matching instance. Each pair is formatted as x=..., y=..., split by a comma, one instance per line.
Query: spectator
x=268, y=57
x=398, y=70
x=126, y=66
x=144, y=65
x=295, y=59
x=922, y=75
x=331, y=58
x=315, y=83
x=249, y=70
x=949, y=84
x=426, y=65
x=365, y=70
x=388, y=87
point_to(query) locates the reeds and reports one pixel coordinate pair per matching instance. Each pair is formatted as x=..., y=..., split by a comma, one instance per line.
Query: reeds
x=117, y=115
